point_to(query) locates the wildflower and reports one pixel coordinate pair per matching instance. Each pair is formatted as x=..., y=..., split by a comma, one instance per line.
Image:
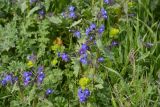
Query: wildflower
x=65, y=57
x=101, y=29
x=72, y=15
x=27, y=77
x=101, y=59
x=71, y=8
x=113, y=32
x=106, y=1
x=40, y=75
x=83, y=49
x=31, y=57
x=114, y=43
x=4, y=82
x=88, y=31
x=49, y=91
x=83, y=95
x=77, y=34
x=83, y=82
x=54, y=62
x=83, y=60
x=30, y=64
x=104, y=13
x=92, y=26
x=41, y=12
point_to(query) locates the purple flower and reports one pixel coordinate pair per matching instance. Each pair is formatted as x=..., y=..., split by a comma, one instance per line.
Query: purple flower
x=83, y=95
x=27, y=77
x=4, y=82
x=72, y=15
x=101, y=29
x=104, y=13
x=77, y=34
x=59, y=54
x=83, y=60
x=65, y=57
x=31, y=57
x=41, y=12
x=106, y=1
x=101, y=59
x=87, y=92
x=83, y=49
x=88, y=31
x=40, y=75
x=71, y=8
x=92, y=26
x=49, y=91
x=114, y=43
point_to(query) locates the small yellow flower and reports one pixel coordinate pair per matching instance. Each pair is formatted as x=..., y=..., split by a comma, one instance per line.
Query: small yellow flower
x=83, y=82
x=30, y=64
x=113, y=32
x=54, y=62
x=55, y=47
x=131, y=4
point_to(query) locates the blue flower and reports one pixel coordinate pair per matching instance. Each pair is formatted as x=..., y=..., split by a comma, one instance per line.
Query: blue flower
x=101, y=29
x=106, y=1
x=40, y=75
x=92, y=26
x=88, y=31
x=101, y=59
x=83, y=95
x=49, y=91
x=41, y=12
x=83, y=60
x=83, y=49
x=72, y=15
x=114, y=43
x=27, y=77
x=65, y=57
x=77, y=34
x=71, y=8
x=104, y=13
x=4, y=82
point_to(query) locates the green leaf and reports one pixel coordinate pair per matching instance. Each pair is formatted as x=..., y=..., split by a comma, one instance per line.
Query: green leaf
x=76, y=23
x=55, y=19
x=32, y=11
x=99, y=86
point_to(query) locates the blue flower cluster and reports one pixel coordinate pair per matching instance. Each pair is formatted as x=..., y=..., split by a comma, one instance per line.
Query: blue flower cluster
x=8, y=79
x=40, y=75
x=64, y=56
x=103, y=13
x=83, y=95
x=71, y=13
x=27, y=77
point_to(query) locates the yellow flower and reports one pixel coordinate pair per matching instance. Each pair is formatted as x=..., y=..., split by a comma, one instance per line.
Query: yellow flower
x=83, y=82
x=54, y=62
x=131, y=4
x=30, y=64
x=55, y=47
x=113, y=32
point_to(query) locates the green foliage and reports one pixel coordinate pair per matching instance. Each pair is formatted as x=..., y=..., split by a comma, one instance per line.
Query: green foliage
x=129, y=75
